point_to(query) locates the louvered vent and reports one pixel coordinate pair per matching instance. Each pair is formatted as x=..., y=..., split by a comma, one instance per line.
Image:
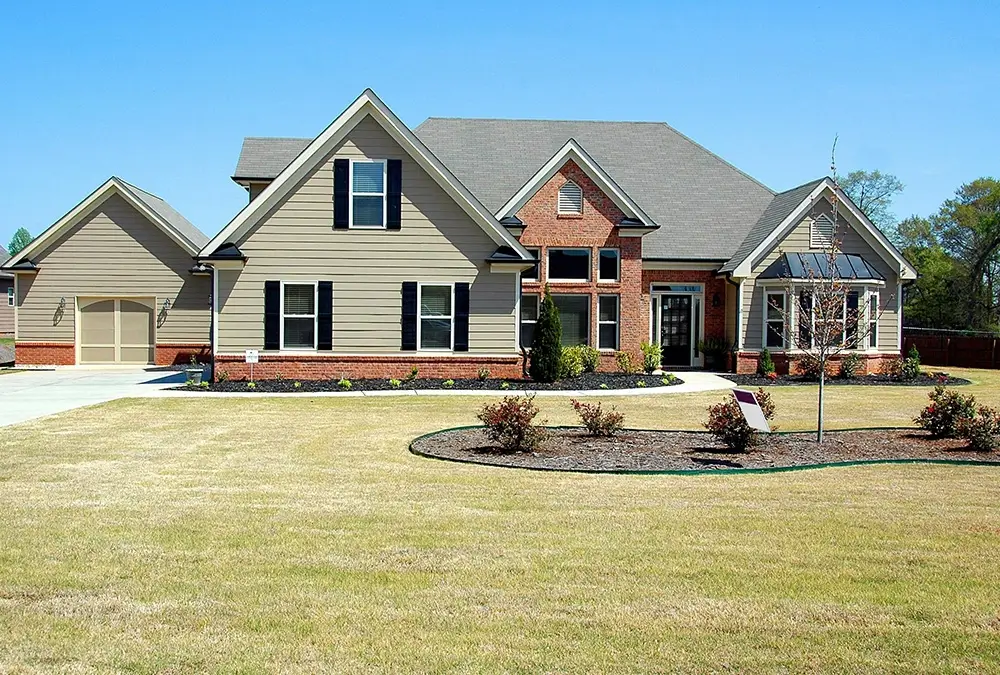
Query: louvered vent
x=570, y=198
x=821, y=232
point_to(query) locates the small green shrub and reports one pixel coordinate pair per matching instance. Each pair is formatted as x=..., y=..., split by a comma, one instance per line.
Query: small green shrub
x=251, y=385
x=651, y=356
x=603, y=385
x=448, y=384
x=203, y=384
x=483, y=374
x=395, y=384
x=570, y=363
x=911, y=367
x=591, y=357
x=726, y=422
x=599, y=422
x=297, y=385
x=412, y=375
x=223, y=376
x=344, y=383
x=278, y=377
x=546, y=347
x=625, y=362
x=947, y=410
x=641, y=383
x=914, y=354
x=982, y=430
x=669, y=379
x=765, y=365
x=511, y=423
x=851, y=365
x=505, y=385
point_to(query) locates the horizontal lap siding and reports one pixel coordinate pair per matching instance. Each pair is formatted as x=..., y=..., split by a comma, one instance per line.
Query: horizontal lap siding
x=797, y=241
x=113, y=251
x=438, y=242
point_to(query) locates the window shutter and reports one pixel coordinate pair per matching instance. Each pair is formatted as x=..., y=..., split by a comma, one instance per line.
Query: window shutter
x=409, y=317
x=462, y=317
x=341, y=194
x=324, y=317
x=821, y=232
x=272, y=315
x=852, y=320
x=394, y=195
x=570, y=198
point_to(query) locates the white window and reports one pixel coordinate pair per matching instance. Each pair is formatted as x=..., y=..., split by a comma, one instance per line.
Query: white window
x=298, y=315
x=570, y=198
x=367, y=193
x=532, y=274
x=568, y=264
x=529, y=317
x=435, y=328
x=873, y=320
x=10, y=296
x=774, y=320
x=608, y=265
x=821, y=232
x=607, y=322
x=574, y=314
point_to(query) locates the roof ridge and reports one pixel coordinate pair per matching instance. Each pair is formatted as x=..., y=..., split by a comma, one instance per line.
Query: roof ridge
x=542, y=119
x=277, y=138
x=813, y=182
x=136, y=187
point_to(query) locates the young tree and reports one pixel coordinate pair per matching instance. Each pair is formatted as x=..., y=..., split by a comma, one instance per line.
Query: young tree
x=873, y=191
x=546, y=348
x=19, y=241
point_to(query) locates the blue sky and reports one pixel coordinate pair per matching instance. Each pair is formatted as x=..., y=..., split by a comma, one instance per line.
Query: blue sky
x=162, y=94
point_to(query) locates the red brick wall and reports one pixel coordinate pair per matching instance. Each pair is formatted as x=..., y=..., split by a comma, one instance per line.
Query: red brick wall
x=315, y=367
x=45, y=354
x=175, y=355
x=746, y=363
x=715, y=286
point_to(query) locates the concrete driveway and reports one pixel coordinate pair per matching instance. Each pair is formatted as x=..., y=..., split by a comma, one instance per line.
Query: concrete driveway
x=37, y=393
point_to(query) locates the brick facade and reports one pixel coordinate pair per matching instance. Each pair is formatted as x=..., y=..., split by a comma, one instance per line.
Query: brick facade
x=180, y=354
x=315, y=367
x=785, y=364
x=714, y=302
x=44, y=354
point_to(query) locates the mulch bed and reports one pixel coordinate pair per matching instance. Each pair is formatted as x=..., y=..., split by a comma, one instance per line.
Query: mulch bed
x=925, y=380
x=638, y=450
x=583, y=382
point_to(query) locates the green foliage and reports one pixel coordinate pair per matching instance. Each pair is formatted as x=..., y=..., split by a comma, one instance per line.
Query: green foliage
x=251, y=385
x=395, y=384
x=483, y=374
x=19, y=241
x=510, y=423
x=597, y=421
x=625, y=362
x=947, y=411
x=640, y=383
x=344, y=383
x=448, y=384
x=412, y=375
x=652, y=354
x=727, y=424
x=591, y=357
x=765, y=365
x=546, y=349
x=914, y=354
x=297, y=385
x=910, y=369
x=850, y=366
x=872, y=192
x=603, y=385
x=571, y=362
x=505, y=385
x=222, y=376
x=669, y=379
x=982, y=430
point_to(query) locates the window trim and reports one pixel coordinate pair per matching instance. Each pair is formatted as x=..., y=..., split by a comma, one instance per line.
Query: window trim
x=559, y=209
x=352, y=194
x=521, y=320
x=315, y=317
x=10, y=295
x=873, y=321
x=548, y=264
x=420, y=316
x=617, y=322
x=767, y=322
x=538, y=268
x=618, y=266
x=589, y=296
x=812, y=232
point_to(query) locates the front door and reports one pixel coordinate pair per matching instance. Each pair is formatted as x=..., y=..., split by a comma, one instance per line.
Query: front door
x=675, y=330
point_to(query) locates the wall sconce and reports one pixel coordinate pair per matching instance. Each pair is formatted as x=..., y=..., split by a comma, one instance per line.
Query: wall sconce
x=166, y=305
x=62, y=303
x=716, y=300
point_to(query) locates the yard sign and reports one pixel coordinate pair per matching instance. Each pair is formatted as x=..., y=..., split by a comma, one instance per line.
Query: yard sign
x=751, y=410
x=252, y=356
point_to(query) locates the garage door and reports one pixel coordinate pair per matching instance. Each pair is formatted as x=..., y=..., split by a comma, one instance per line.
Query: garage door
x=117, y=330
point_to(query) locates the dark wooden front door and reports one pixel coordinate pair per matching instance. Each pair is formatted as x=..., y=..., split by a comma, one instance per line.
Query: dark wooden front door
x=675, y=330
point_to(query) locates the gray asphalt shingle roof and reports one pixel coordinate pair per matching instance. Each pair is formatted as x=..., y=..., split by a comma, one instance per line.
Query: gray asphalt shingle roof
x=181, y=224
x=266, y=157
x=4, y=257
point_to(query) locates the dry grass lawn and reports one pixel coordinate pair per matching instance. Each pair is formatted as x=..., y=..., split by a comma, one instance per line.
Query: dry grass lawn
x=299, y=535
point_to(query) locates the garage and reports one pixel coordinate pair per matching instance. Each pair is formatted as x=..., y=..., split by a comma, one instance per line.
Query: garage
x=117, y=330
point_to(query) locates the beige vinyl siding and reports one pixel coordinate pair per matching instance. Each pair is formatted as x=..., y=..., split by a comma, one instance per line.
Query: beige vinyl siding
x=6, y=311
x=797, y=241
x=438, y=242
x=113, y=251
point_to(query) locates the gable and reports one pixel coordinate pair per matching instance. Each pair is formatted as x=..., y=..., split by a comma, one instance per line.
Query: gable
x=543, y=221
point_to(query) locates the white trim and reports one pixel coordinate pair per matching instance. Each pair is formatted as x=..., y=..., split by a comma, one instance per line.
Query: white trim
x=538, y=270
x=517, y=312
x=16, y=312
x=315, y=317
x=680, y=265
x=538, y=309
x=352, y=194
x=420, y=316
x=573, y=151
x=872, y=294
x=215, y=311
x=784, y=329
x=12, y=293
x=559, y=199
x=617, y=322
x=618, y=266
x=113, y=185
x=368, y=104
x=899, y=317
x=548, y=264
x=739, y=316
x=380, y=355
x=655, y=318
x=812, y=282
x=817, y=237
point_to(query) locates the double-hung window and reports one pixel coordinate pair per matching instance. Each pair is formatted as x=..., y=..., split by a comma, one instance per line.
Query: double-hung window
x=608, y=265
x=873, y=310
x=435, y=330
x=607, y=321
x=774, y=320
x=10, y=296
x=367, y=193
x=298, y=315
x=532, y=274
x=529, y=317
x=568, y=264
x=574, y=314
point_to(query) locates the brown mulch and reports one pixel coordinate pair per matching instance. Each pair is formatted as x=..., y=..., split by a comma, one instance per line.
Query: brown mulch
x=633, y=450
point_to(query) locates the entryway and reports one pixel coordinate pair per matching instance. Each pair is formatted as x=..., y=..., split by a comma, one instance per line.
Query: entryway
x=116, y=330
x=678, y=322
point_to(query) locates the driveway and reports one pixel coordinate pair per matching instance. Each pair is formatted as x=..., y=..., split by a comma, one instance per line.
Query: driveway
x=37, y=393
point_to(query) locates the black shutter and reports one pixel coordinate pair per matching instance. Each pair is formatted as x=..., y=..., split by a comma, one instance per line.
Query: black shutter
x=341, y=193
x=852, y=320
x=461, y=317
x=272, y=315
x=409, y=318
x=394, y=195
x=805, y=320
x=324, y=319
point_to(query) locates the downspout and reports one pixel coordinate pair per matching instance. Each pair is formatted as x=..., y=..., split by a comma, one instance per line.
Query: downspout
x=738, y=343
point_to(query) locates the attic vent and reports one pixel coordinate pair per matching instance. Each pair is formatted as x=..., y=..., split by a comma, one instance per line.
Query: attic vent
x=570, y=198
x=821, y=232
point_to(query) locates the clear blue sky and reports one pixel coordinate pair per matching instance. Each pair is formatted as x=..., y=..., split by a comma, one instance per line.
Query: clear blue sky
x=162, y=94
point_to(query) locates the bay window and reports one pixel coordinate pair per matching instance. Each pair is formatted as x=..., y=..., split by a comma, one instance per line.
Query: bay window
x=774, y=320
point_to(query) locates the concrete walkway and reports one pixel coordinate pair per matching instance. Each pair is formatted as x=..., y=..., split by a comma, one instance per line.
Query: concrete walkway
x=32, y=394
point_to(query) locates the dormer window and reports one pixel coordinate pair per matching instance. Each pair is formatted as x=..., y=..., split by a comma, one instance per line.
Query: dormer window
x=570, y=198
x=821, y=232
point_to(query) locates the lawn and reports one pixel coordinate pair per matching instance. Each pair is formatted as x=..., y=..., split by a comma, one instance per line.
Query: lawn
x=298, y=535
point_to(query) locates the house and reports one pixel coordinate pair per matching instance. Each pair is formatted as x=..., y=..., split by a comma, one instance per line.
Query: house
x=113, y=281
x=6, y=298
x=372, y=249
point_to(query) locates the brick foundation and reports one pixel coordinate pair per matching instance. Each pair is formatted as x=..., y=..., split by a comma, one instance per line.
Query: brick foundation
x=44, y=354
x=315, y=367
x=176, y=355
x=872, y=364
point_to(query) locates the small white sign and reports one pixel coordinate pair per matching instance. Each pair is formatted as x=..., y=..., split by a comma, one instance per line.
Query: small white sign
x=253, y=356
x=751, y=410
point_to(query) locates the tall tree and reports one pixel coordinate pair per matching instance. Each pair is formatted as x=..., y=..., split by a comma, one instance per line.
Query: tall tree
x=873, y=192
x=19, y=241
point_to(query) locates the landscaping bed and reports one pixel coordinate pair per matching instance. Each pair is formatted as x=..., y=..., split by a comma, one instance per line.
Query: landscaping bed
x=572, y=449
x=587, y=381
x=924, y=380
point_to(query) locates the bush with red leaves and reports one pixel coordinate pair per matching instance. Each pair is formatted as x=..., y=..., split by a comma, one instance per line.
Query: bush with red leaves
x=510, y=423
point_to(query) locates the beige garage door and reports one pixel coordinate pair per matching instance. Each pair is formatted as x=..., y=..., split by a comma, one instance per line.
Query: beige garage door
x=117, y=330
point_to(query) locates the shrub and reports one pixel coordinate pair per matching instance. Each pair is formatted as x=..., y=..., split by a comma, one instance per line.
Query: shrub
x=591, y=357
x=412, y=375
x=223, y=376
x=914, y=354
x=448, y=384
x=395, y=384
x=344, y=383
x=726, y=422
x=297, y=385
x=669, y=379
x=505, y=385
x=599, y=422
x=944, y=415
x=546, y=348
x=850, y=366
x=624, y=362
x=483, y=374
x=603, y=385
x=982, y=430
x=641, y=383
x=651, y=356
x=910, y=369
x=809, y=366
x=765, y=366
x=570, y=363
x=510, y=423
x=893, y=368
x=251, y=385
x=203, y=384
